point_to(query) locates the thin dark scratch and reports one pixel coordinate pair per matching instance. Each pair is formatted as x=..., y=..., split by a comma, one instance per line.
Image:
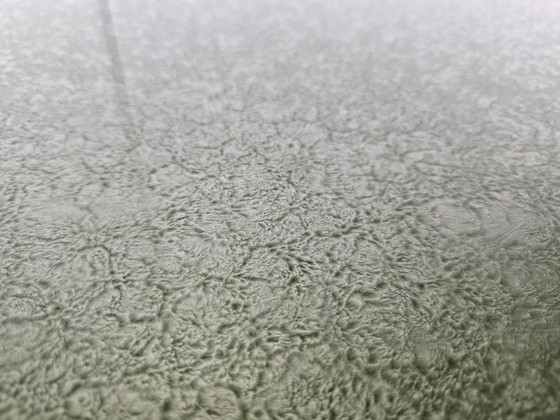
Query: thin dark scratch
x=113, y=49
x=117, y=73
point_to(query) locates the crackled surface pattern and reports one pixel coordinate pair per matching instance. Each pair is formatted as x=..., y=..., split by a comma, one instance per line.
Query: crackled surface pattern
x=279, y=209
